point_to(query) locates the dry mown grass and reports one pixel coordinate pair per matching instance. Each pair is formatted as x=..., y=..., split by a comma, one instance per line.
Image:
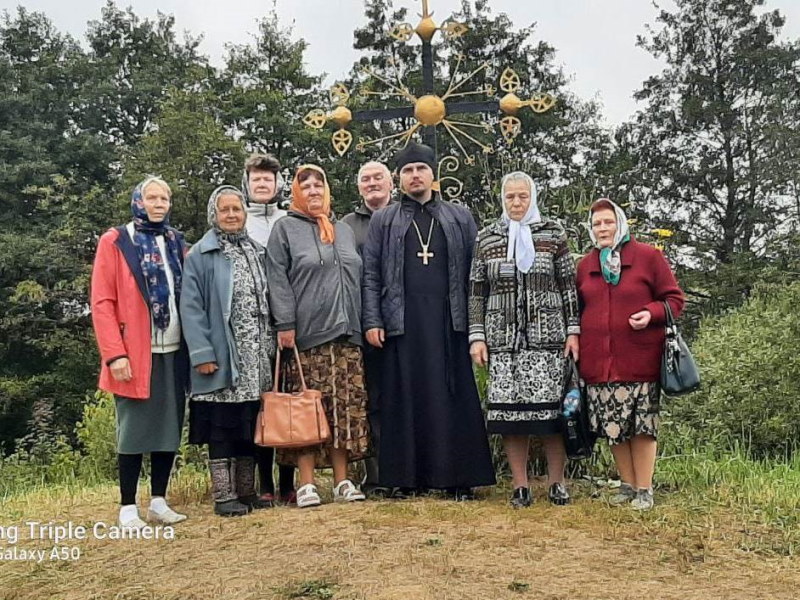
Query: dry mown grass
x=418, y=549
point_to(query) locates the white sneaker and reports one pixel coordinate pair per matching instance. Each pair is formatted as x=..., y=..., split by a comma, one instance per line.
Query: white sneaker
x=129, y=517
x=134, y=523
x=165, y=517
x=307, y=496
x=347, y=492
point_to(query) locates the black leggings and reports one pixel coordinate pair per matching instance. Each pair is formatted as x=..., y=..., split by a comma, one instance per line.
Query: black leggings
x=265, y=458
x=130, y=466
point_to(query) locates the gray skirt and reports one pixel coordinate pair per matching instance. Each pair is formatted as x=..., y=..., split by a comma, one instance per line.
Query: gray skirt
x=155, y=424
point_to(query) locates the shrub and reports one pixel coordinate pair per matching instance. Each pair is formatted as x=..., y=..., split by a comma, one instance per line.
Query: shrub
x=97, y=435
x=750, y=367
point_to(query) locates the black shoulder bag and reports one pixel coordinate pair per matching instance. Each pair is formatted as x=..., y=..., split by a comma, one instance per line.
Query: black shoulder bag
x=679, y=373
x=579, y=439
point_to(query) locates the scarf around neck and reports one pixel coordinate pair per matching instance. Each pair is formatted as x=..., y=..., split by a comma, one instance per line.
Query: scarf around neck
x=153, y=263
x=240, y=242
x=520, y=239
x=610, y=256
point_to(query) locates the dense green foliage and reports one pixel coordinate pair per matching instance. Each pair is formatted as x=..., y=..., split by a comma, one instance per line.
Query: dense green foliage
x=751, y=371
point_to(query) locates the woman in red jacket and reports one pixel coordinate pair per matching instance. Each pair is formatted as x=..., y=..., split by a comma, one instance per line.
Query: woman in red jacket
x=622, y=287
x=136, y=285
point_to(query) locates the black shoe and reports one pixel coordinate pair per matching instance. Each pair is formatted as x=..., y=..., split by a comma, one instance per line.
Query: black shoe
x=230, y=508
x=558, y=495
x=254, y=502
x=521, y=498
x=402, y=493
x=376, y=492
x=461, y=494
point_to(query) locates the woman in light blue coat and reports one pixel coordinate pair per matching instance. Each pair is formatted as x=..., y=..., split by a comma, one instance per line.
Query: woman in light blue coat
x=225, y=315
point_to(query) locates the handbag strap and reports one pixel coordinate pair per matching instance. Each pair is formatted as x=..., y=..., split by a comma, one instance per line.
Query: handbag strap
x=573, y=376
x=276, y=378
x=573, y=368
x=668, y=314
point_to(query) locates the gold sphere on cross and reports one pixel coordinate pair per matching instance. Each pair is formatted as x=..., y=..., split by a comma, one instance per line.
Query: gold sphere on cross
x=430, y=110
x=510, y=104
x=342, y=116
x=426, y=29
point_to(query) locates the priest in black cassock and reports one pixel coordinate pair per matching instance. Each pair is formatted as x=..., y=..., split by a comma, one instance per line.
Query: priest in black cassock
x=416, y=269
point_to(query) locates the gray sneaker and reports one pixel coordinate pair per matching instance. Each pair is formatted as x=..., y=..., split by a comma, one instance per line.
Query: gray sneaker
x=625, y=493
x=643, y=500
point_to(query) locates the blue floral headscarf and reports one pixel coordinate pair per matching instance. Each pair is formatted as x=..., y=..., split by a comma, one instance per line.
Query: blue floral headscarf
x=151, y=260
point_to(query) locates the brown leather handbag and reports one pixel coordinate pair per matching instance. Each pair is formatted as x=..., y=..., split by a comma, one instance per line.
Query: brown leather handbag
x=291, y=420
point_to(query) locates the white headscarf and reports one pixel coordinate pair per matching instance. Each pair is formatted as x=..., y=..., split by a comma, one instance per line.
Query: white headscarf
x=520, y=240
x=610, y=259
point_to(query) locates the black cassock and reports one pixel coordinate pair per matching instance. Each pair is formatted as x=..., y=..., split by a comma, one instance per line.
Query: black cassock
x=433, y=433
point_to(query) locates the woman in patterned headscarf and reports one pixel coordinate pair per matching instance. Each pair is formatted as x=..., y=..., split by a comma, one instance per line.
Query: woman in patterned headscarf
x=523, y=315
x=225, y=312
x=623, y=285
x=136, y=287
x=315, y=297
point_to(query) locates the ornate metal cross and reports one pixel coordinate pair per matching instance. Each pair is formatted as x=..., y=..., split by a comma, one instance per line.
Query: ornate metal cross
x=430, y=109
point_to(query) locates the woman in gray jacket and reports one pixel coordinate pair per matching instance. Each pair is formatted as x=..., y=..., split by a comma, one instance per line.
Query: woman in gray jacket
x=315, y=299
x=225, y=315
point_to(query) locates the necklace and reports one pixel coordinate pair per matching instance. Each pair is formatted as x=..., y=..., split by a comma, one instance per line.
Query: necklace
x=424, y=255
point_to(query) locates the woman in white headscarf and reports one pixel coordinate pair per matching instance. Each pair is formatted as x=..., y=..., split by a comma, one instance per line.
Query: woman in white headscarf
x=524, y=323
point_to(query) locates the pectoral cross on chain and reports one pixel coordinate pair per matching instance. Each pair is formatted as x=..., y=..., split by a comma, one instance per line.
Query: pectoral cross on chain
x=425, y=255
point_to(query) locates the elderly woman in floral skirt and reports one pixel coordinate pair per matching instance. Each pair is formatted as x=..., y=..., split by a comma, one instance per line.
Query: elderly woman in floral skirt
x=623, y=287
x=315, y=296
x=523, y=315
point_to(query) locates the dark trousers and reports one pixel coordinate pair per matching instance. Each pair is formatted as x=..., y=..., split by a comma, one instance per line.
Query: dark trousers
x=265, y=458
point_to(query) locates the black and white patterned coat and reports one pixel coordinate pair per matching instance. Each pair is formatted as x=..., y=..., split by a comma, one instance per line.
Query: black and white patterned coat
x=510, y=310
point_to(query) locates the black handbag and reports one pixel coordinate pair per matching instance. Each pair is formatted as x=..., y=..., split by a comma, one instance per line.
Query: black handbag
x=679, y=373
x=579, y=439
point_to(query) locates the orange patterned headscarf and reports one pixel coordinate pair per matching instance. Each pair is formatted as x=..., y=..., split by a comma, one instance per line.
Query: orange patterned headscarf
x=300, y=204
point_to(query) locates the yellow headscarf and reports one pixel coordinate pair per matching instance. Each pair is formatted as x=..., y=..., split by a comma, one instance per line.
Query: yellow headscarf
x=300, y=204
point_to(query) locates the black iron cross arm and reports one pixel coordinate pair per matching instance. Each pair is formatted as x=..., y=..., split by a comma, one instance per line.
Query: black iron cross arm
x=383, y=114
x=460, y=108
x=403, y=112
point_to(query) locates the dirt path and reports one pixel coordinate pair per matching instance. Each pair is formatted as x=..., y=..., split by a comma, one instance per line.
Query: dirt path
x=405, y=550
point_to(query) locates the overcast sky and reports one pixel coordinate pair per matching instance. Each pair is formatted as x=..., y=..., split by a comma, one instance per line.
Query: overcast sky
x=595, y=39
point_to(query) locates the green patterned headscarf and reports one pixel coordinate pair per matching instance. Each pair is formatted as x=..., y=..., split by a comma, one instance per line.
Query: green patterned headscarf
x=610, y=259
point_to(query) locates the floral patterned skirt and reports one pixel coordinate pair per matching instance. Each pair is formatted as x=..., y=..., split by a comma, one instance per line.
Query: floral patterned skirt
x=525, y=392
x=337, y=370
x=619, y=411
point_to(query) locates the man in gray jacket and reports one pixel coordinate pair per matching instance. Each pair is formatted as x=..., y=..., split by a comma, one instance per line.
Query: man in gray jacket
x=375, y=187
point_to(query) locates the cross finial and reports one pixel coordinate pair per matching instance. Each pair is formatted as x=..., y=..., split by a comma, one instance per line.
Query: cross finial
x=425, y=12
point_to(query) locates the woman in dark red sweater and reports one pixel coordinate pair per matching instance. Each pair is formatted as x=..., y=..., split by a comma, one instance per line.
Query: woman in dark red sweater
x=622, y=287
